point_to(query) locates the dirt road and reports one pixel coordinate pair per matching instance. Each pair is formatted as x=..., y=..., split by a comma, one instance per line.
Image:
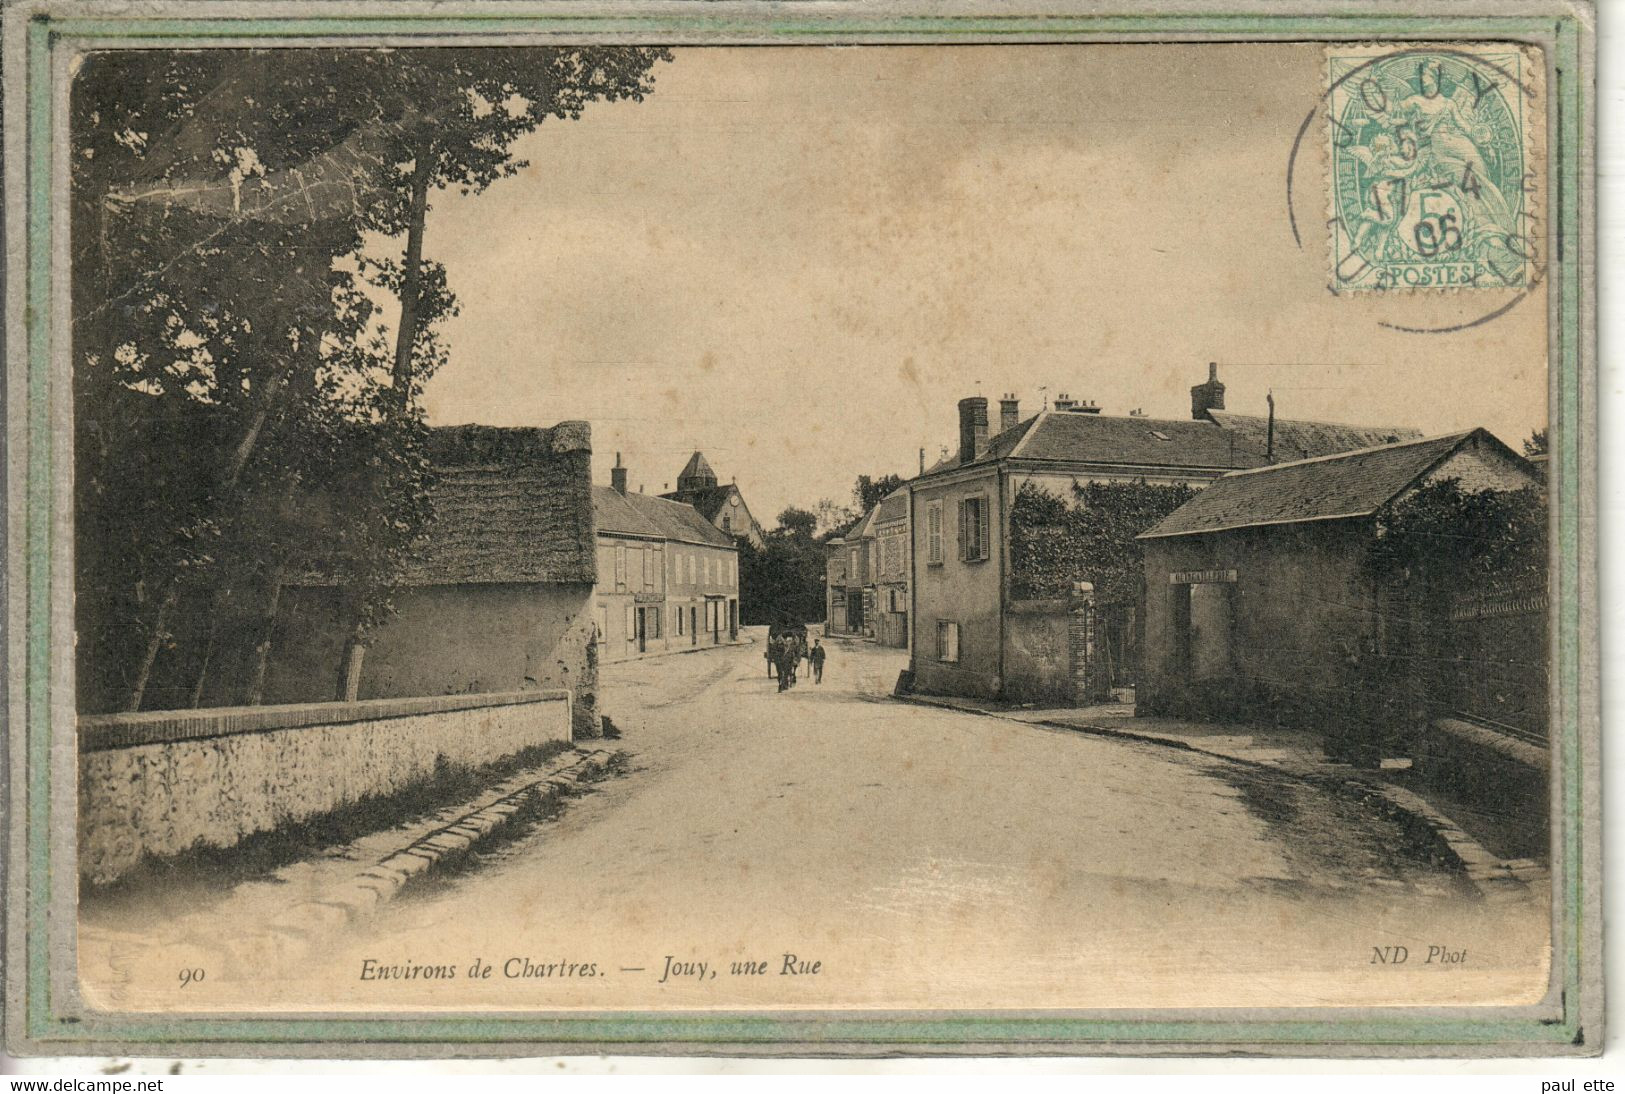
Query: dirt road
x=861, y=852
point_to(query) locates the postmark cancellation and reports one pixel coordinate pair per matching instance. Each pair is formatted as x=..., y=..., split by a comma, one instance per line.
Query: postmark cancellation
x=1435, y=166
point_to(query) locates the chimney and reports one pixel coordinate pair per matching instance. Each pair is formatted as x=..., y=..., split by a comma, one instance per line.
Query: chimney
x=1090, y=407
x=1208, y=396
x=1009, y=413
x=922, y=461
x=972, y=428
x=1065, y=402
x=617, y=476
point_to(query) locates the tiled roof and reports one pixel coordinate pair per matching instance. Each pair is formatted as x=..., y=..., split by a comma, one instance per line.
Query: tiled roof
x=1296, y=439
x=864, y=526
x=1228, y=441
x=654, y=517
x=893, y=507
x=708, y=500
x=614, y=512
x=1158, y=442
x=509, y=505
x=697, y=467
x=1352, y=484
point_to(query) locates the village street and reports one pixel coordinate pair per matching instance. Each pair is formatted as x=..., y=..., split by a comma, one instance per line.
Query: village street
x=931, y=857
x=906, y=856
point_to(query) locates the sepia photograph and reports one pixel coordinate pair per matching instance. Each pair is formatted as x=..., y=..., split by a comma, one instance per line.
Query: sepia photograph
x=819, y=538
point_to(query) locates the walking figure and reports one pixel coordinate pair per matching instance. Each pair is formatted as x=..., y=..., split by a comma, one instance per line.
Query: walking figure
x=815, y=657
x=787, y=664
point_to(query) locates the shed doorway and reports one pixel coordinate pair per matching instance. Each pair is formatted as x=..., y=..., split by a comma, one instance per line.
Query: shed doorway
x=1204, y=625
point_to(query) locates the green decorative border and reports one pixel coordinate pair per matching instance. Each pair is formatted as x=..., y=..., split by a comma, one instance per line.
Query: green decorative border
x=1403, y=1029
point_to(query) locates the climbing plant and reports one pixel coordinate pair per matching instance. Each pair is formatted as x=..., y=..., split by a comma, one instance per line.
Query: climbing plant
x=1056, y=542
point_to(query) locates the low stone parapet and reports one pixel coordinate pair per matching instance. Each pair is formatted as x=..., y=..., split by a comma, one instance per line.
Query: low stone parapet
x=1495, y=773
x=159, y=783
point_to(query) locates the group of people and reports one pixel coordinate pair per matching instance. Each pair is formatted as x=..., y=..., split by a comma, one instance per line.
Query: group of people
x=784, y=654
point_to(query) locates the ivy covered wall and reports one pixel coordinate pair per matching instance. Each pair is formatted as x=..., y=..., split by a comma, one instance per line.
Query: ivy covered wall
x=1057, y=541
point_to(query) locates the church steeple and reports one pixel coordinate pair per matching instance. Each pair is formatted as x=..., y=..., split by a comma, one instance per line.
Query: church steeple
x=697, y=474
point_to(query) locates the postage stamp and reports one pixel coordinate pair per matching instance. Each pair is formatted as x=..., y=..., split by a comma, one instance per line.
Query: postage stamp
x=1436, y=165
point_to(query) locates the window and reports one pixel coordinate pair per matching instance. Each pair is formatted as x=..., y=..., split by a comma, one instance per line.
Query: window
x=692, y=577
x=933, y=533
x=603, y=624
x=631, y=623
x=620, y=567
x=651, y=620
x=648, y=569
x=677, y=619
x=852, y=564
x=973, y=529
x=947, y=641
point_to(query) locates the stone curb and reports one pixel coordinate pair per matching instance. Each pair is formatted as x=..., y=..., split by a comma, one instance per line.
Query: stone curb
x=297, y=929
x=1496, y=881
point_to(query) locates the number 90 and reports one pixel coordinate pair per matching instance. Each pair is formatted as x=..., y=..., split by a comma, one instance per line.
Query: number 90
x=191, y=976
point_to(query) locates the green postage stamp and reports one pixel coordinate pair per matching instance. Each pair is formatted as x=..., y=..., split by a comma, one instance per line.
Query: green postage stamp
x=1436, y=163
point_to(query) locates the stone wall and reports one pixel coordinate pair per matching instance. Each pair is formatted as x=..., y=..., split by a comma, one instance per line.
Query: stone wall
x=1300, y=611
x=1038, y=657
x=162, y=782
x=443, y=640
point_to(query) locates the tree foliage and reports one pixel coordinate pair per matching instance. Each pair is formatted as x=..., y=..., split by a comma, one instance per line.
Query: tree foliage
x=1448, y=541
x=1055, y=543
x=869, y=492
x=237, y=217
x=783, y=582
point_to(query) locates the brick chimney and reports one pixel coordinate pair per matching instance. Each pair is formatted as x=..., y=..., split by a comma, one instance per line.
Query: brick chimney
x=1208, y=396
x=617, y=476
x=972, y=428
x=1009, y=413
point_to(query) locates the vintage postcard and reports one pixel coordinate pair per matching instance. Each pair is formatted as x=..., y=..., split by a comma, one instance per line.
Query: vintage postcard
x=801, y=528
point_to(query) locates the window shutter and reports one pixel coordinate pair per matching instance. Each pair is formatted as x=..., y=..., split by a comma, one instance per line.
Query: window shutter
x=982, y=523
x=963, y=514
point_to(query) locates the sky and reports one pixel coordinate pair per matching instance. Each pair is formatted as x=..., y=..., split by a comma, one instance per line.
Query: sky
x=799, y=259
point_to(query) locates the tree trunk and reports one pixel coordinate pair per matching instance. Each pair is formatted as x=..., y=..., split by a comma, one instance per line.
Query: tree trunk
x=412, y=275
x=354, y=655
x=155, y=642
x=245, y=447
x=217, y=607
x=262, y=652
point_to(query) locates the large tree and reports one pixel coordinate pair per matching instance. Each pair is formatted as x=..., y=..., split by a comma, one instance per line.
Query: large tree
x=783, y=581
x=237, y=217
x=870, y=491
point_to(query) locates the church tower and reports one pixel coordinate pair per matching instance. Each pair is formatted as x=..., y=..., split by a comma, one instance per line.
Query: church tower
x=696, y=475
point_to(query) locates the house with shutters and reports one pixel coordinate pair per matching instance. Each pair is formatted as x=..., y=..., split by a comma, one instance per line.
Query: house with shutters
x=889, y=558
x=850, y=581
x=668, y=579
x=720, y=503
x=971, y=632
